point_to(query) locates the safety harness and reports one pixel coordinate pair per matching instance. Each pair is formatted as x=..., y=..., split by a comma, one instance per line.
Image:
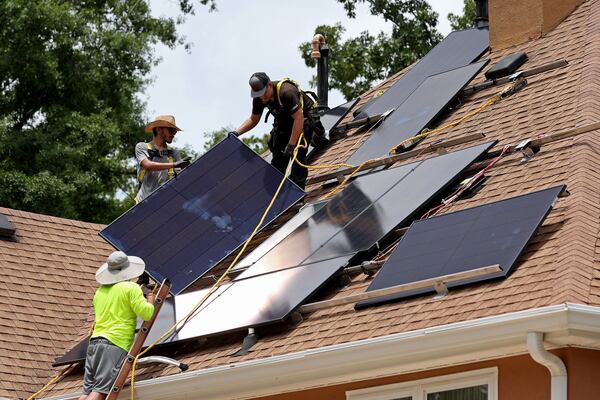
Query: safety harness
x=157, y=153
x=309, y=94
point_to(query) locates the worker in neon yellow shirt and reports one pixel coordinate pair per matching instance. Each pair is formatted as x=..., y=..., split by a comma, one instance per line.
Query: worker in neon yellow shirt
x=117, y=304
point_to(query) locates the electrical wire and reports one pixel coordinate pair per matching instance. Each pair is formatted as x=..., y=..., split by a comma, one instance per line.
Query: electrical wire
x=456, y=195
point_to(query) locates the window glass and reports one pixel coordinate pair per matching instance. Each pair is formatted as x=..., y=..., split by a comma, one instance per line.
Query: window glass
x=470, y=393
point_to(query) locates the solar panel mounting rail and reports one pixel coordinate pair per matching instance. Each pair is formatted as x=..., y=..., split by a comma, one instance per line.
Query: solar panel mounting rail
x=161, y=295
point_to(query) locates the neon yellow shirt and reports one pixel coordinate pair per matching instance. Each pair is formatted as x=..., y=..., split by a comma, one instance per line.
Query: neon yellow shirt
x=116, y=308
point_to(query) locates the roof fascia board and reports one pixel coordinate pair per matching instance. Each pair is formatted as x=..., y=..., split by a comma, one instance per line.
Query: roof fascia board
x=452, y=344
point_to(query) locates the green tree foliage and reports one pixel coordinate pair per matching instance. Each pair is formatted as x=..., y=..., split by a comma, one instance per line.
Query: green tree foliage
x=466, y=20
x=70, y=75
x=258, y=144
x=356, y=64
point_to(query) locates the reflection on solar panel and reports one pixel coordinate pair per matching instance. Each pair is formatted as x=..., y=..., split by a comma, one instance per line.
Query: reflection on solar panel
x=458, y=49
x=194, y=221
x=261, y=299
x=356, y=218
x=487, y=235
x=305, y=213
x=332, y=117
x=423, y=106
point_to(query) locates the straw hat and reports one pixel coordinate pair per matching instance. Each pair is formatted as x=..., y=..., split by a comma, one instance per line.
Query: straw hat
x=165, y=121
x=119, y=267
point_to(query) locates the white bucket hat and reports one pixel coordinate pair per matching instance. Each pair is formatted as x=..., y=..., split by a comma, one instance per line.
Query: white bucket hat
x=119, y=267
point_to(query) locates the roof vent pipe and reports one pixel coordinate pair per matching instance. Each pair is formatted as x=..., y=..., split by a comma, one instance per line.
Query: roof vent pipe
x=481, y=14
x=320, y=51
x=558, y=371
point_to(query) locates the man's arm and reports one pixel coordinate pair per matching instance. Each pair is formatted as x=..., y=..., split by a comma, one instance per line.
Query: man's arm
x=156, y=166
x=142, y=308
x=297, y=127
x=248, y=124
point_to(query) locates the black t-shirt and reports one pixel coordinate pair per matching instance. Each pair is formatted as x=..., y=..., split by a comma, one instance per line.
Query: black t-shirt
x=290, y=100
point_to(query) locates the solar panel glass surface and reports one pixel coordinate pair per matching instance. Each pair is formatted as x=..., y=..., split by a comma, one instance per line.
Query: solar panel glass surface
x=332, y=117
x=490, y=234
x=195, y=220
x=457, y=50
x=421, y=108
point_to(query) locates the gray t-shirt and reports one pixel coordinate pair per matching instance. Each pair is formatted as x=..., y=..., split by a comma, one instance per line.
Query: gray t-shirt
x=151, y=179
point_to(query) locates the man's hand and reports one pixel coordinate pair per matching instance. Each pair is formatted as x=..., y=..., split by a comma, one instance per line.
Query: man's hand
x=182, y=163
x=289, y=150
x=151, y=297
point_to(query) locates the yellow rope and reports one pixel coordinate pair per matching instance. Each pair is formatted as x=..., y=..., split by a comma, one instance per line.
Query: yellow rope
x=51, y=382
x=424, y=133
x=218, y=282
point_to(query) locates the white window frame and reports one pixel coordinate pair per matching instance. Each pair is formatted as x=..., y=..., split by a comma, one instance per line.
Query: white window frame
x=419, y=389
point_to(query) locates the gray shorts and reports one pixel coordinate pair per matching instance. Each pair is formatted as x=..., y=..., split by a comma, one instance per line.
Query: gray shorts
x=102, y=364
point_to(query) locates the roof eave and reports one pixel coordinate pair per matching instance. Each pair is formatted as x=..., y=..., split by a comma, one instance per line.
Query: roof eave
x=487, y=338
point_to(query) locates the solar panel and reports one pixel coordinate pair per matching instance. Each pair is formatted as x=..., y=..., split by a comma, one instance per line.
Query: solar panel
x=75, y=354
x=332, y=117
x=194, y=221
x=423, y=106
x=490, y=234
x=305, y=213
x=259, y=300
x=458, y=49
x=369, y=208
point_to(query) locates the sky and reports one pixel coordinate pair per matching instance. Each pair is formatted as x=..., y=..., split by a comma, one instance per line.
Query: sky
x=207, y=89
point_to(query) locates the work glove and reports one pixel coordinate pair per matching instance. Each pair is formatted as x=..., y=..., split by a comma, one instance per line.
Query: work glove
x=289, y=150
x=181, y=164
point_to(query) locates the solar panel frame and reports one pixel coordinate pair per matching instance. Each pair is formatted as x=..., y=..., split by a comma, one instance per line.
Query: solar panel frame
x=421, y=108
x=218, y=199
x=488, y=234
x=458, y=49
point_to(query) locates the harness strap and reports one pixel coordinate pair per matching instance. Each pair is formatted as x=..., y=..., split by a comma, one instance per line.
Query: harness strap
x=155, y=153
x=281, y=81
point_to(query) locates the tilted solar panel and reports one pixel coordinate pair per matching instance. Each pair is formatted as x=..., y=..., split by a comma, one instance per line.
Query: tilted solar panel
x=366, y=210
x=195, y=220
x=305, y=213
x=458, y=49
x=332, y=117
x=423, y=106
x=489, y=234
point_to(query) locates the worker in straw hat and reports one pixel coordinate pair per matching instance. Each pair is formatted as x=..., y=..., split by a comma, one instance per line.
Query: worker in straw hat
x=117, y=304
x=157, y=162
